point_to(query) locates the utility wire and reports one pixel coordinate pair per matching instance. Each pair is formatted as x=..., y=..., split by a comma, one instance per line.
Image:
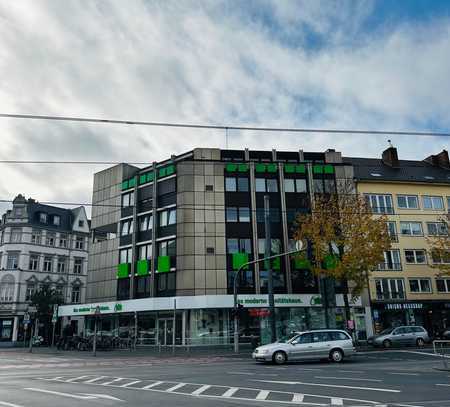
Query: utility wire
x=221, y=127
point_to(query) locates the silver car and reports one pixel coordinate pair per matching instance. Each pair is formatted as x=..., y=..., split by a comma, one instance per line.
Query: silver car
x=327, y=343
x=402, y=335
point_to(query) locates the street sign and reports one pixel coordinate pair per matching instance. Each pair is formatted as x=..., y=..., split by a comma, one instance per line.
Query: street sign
x=26, y=318
x=55, y=314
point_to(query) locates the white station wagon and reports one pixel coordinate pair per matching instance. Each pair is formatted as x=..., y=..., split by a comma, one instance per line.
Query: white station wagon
x=320, y=344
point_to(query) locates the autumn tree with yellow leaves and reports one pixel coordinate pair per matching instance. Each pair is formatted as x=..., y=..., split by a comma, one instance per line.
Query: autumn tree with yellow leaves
x=439, y=244
x=346, y=240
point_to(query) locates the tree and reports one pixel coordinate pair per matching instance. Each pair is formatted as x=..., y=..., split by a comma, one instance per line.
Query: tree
x=346, y=242
x=439, y=244
x=44, y=300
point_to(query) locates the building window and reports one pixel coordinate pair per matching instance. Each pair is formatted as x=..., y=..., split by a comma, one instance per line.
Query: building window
x=36, y=236
x=30, y=290
x=274, y=215
x=79, y=242
x=239, y=246
x=275, y=246
x=433, y=202
x=411, y=228
x=443, y=285
x=390, y=288
x=76, y=294
x=415, y=256
x=380, y=203
x=241, y=214
x=81, y=223
x=61, y=266
x=440, y=256
x=16, y=235
x=78, y=265
x=408, y=201
x=128, y=199
x=145, y=223
x=12, y=261
x=56, y=220
x=437, y=228
x=126, y=227
x=295, y=185
x=233, y=184
x=59, y=291
x=392, y=230
x=230, y=184
x=167, y=248
x=125, y=256
x=167, y=217
x=50, y=239
x=145, y=252
x=33, y=265
x=43, y=217
x=7, y=289
x=391, y=261
x=266, y=185
x=62, y=240
x=231, y=214
x=18, y=211
x=420, y=285
x=48, y=262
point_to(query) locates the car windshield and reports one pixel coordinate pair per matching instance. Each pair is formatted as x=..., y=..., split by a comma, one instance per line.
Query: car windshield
x=292, y=338
x=386, y=331
x=288, y=338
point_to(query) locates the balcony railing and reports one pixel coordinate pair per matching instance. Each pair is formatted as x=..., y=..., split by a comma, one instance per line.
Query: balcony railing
x=396, y=295
x=389, y=210
x=389, y=266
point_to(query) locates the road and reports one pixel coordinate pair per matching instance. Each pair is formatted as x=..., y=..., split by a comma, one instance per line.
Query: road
x=386, y=378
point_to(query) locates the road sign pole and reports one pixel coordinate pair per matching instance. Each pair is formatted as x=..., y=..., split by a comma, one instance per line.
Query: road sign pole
x=94, y=346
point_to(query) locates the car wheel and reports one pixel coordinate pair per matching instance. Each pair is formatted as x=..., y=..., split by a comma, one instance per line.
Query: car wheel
x=387, y=344
x=337, y=356
x=420, y=342
x=279, y=358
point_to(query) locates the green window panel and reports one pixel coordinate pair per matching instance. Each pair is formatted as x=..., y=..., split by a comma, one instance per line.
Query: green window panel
x=163, y=263
x=260, y=168
x=142, y=179
x=300, y=263
x=330, y=262
x=231, y=167
x=300, y=169
x=170, y=169
x=243, y=167
x=132, y=182
x=123, y=270
x=162, y=172
x=125, y=184
x=149, y=176
x=289, y=168
x=276, y=264
x=239, y=259
x=328, y=169
x=272, y=168
x=142, y=268
x=318, y=169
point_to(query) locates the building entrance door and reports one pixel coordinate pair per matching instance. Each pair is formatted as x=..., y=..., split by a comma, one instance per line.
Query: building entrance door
x=165, y=332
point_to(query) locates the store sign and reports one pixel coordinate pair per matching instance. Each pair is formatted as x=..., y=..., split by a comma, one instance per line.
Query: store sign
x=402, y=306
x=287, y=300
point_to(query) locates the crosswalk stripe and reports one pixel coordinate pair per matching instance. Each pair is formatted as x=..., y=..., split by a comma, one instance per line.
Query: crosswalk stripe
x=129, y=384
x=230, y=391
x=262, y=395
x=118, y=379
x=177, y=386
x=95, y=379
x=200, y=390
x=149, y=386
x=298, y=398
x=335, y=401
x=76, y=378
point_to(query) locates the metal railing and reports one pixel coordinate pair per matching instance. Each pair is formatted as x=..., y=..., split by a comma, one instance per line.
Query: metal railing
x=389, y=266
x=442, y=348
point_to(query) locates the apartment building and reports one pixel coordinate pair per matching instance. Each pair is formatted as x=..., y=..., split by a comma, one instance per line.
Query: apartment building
x=166, y=240
x=406, y=289
x=40, y=245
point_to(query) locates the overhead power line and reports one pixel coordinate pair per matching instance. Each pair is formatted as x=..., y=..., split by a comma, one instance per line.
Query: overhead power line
x=222, y=127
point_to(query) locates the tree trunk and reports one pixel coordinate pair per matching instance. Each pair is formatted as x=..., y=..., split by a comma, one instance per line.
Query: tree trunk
x=347, y=308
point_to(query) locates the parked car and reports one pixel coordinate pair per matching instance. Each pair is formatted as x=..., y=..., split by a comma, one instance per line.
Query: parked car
x=319, y=344
x=402, y=335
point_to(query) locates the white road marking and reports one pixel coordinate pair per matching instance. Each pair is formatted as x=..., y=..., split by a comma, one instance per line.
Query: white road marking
x=424, y=353
x=76, y=378
x=262, y=395
x=57, y=393
x=176, y=387
x=241, y=373
x=114, y=381
x=149, y=386
x=200, y=390
x=230, y=392
x=335, y=401
x=403, y=374
x=6, y=404
x=298, y=398
x=442, y=384
x=130, y=383
x=95, y=379
x=347, y=378
x=102, y=396
x=330, y=385
x=351, y=371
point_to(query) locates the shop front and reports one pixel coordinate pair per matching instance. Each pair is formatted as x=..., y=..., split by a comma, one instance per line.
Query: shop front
x=207, y=320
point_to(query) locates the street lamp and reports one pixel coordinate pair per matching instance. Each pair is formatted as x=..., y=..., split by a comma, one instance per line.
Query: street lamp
x=299, y=247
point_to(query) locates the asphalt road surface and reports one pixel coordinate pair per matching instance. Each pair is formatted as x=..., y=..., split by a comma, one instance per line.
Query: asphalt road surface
x=407, y=378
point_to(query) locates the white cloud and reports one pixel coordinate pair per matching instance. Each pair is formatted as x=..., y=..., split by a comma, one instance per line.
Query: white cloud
x=208, y=62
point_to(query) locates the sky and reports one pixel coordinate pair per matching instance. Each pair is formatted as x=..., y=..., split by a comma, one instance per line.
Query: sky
x=378, y=65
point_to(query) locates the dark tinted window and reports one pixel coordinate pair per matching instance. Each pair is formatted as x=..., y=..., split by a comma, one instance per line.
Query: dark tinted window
x=338, y=336
x=399, y=331
x=242, y=184
x=305, y=338
x=167, y=186
x=417, y=329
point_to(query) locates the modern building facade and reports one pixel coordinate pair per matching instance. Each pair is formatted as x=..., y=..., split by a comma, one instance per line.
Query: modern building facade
x=40, y=245
x=167, y=239
x=414, y=195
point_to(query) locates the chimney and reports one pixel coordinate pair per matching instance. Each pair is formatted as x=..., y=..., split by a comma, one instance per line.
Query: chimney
x=390, y=157
x=439, y=160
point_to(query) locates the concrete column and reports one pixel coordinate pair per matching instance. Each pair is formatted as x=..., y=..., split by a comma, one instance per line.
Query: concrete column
x=286, y=259
x=183, y=327
x=15, y=329
x=154, y=234
x=254, y=224
x=369, y=321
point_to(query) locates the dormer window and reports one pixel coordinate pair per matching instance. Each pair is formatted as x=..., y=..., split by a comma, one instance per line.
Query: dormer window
x=43, y=217
x=56, y=220
x=81, y=223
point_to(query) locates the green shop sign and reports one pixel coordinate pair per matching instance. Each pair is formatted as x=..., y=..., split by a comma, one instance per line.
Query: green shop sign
x=103, y=308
